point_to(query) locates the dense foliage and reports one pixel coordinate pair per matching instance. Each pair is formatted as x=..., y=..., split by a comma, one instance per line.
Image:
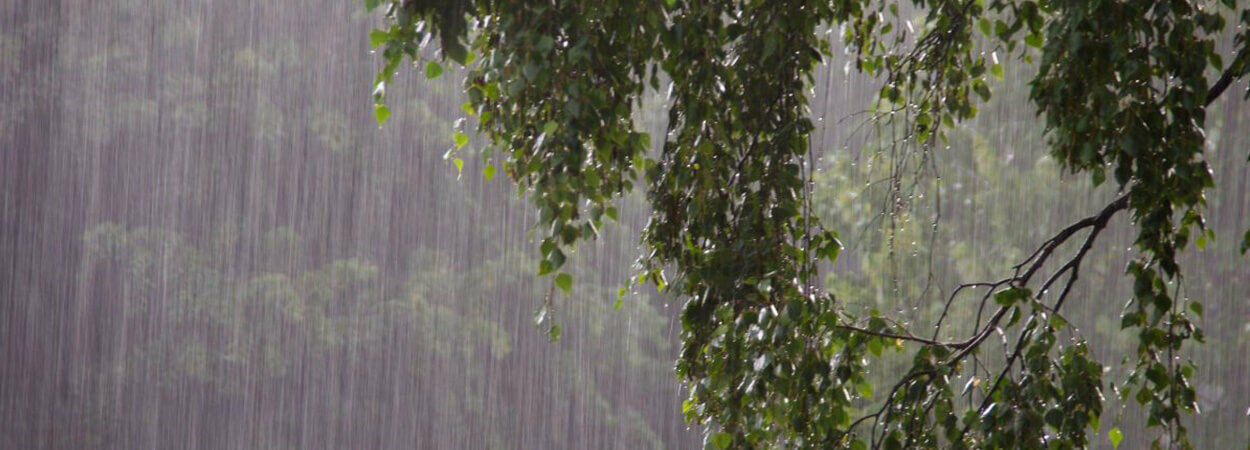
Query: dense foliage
x=772, y=357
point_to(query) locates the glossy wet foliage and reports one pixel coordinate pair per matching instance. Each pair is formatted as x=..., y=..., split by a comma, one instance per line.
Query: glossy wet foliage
x=772, y=358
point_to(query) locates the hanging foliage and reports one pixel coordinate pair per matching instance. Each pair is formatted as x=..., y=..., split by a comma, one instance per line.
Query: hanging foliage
x=771, y=359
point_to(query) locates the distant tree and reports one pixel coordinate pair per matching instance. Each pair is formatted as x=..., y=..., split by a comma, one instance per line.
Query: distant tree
x=771, y=358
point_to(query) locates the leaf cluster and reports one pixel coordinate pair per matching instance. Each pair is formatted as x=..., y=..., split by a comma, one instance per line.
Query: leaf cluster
x=770, y=358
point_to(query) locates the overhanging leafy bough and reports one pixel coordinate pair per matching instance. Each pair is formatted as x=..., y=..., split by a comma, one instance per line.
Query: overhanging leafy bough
x=770, y=358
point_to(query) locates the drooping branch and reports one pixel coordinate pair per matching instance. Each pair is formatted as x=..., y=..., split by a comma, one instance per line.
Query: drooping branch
x=1037, y=260
x=1072, y=269
x=1024, y=273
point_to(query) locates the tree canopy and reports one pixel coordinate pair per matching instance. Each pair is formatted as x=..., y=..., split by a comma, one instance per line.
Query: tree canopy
x=772, y=358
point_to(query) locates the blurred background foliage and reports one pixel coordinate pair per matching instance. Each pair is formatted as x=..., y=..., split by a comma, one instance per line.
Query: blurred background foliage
x=213, y=245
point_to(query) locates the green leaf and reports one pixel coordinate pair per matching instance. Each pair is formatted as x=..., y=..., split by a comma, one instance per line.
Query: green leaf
x=455, y=50
x=556, y=257
x=378, y=37
x=832, y=253
x=721, y=440
x=981, y=89
x=1008, y=297
x=459, y=164
x=488, y=172
x=997, y=71
x=1115, y=436
x=544, y=267
x=832, y=247
x=765, y=287
x=1216, y=61
x=564, y=281
x=544, y=44
x=618, y=304
x=379, y=91
x=1203, y=239
x=381, y=113
x=554, y=333
x=433, y=69
x=1144, y=395
x=875, y=347
x=460, y=139
x=550, y=127
x=1034, y=40
x=865, y=389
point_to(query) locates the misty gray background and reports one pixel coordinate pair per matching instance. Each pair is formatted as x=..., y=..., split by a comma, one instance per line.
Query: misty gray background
x=206, y=242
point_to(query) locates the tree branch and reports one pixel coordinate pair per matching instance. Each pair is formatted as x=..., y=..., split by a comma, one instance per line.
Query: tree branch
x=904, y=337
x=1072, y=268
x=1038, y=259
x=1235, y=70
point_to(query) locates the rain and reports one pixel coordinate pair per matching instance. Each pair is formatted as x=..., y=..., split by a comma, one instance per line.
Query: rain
x=208, y=242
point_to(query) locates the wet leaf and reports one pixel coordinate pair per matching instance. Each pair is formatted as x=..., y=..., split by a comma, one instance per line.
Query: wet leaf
x=378, y=37
x=433, y=69
x=565, y=282
x=1115, y=436
x=381, y=113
